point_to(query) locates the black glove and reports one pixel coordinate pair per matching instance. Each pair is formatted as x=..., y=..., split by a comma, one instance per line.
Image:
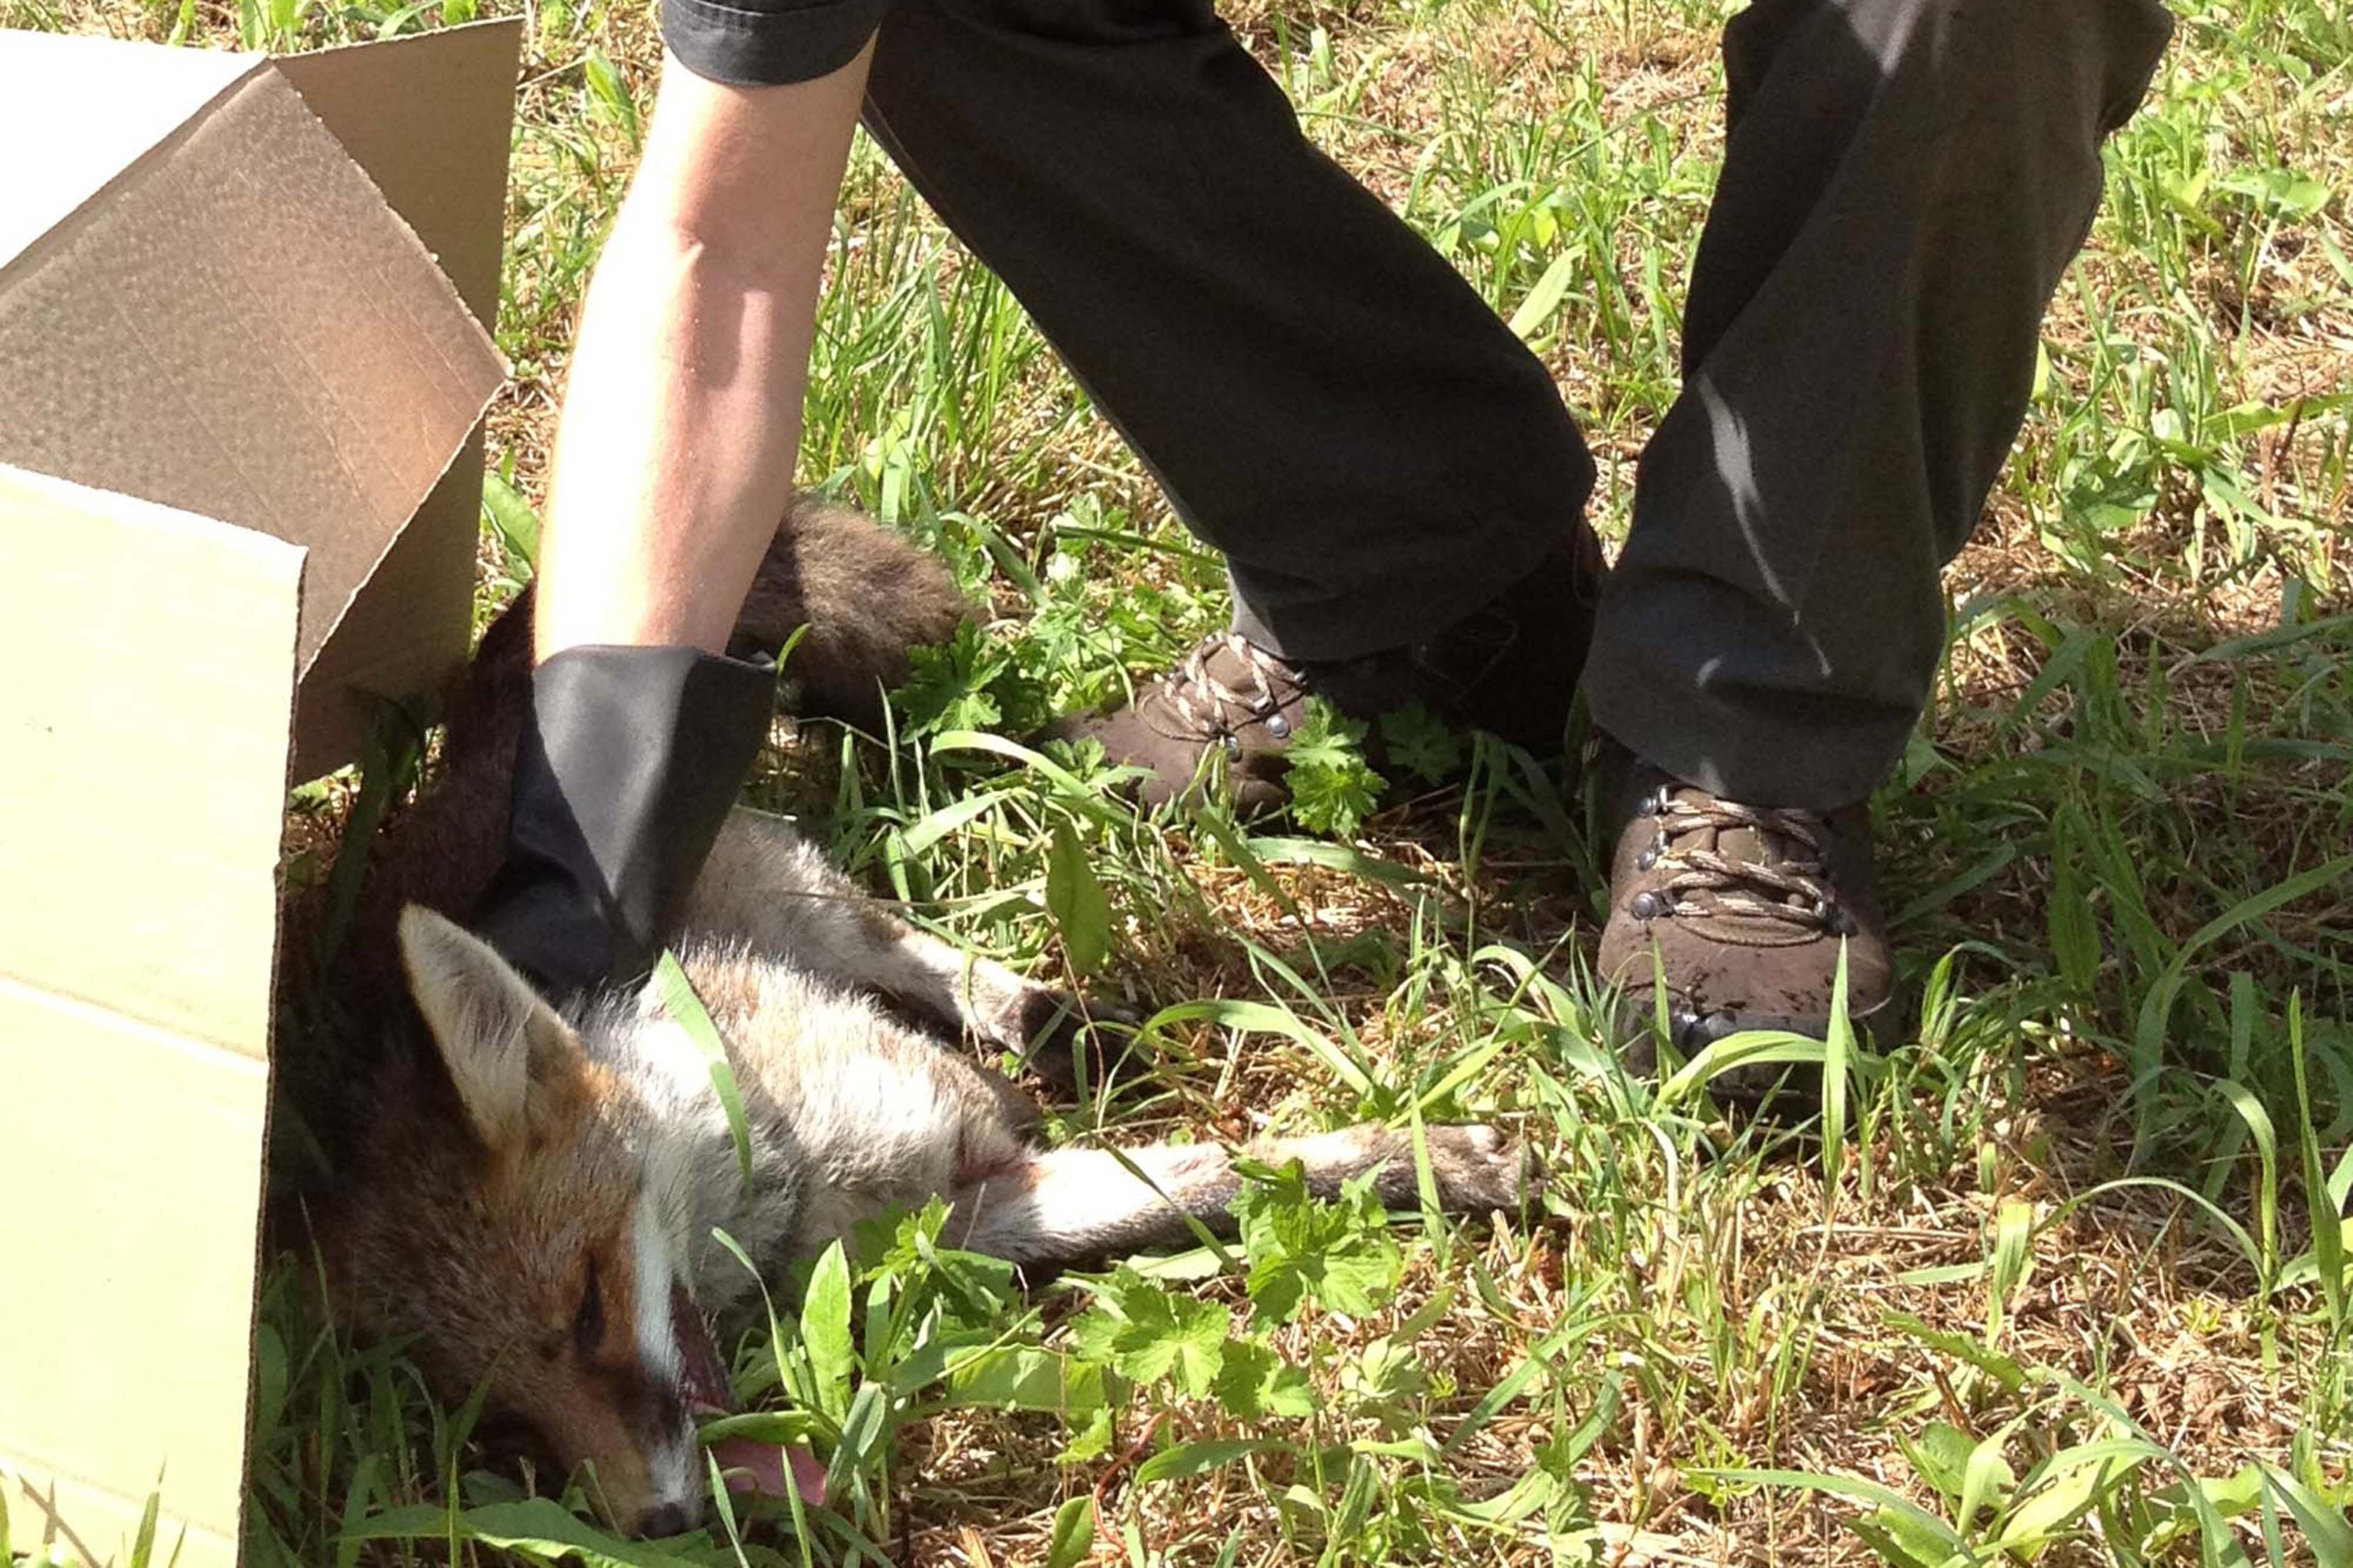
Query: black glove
x=631, y=760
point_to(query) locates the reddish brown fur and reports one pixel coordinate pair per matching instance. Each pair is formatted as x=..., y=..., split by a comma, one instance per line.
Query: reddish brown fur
x=525, y=1219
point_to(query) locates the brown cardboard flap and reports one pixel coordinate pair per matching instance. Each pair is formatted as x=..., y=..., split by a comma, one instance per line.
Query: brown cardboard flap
x=93, y=108
x=430, y=119
x=151, y=678
x=244, y=331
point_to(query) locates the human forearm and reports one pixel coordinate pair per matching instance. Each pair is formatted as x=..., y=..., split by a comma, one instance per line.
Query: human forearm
x=675, y=454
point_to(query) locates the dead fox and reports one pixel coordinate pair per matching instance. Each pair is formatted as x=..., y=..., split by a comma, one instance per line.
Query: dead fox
x=530, y=1201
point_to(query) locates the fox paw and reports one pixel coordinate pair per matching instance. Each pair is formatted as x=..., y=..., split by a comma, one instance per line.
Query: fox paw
x=1055, y=1027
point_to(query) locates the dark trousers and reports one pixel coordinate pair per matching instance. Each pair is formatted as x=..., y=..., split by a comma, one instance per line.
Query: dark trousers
x=1330, y=405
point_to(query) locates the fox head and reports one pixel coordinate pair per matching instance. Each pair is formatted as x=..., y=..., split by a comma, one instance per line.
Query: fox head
x=529, y=1234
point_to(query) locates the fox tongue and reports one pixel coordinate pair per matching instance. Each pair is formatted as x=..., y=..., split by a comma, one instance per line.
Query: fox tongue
x=747, y=1465
x=759, y=1468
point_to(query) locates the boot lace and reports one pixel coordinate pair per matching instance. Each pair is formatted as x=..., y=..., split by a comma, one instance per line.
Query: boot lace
x=1203, y=699
x=1772, y=887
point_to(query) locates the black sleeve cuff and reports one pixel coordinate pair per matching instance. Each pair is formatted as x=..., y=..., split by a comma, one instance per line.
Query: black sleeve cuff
x=768, y=43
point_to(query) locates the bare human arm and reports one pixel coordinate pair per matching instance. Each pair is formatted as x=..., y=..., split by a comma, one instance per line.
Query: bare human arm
x=675, y=452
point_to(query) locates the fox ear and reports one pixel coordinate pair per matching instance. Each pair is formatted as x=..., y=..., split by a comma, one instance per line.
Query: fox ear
x=499, y=1037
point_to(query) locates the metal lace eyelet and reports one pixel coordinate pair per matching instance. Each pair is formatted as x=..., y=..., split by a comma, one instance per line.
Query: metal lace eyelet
x=1647, y=906
x=1232, y=743
x=1647, y=859
x=1277, y=725
x=1652, y=805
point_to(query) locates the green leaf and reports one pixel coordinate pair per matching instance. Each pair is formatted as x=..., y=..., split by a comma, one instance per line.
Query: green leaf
x=2075, y=930
x=1332, y=789
x=143, y=1545
x=1941, y=1456
x=356, y=1502
x=1747, y=1049
x=1993, y=1363
x=609, y=93
x=2280, y=193
x=512, y=518
x=687, y=1011
x=2014, y=1259
x=2070, y=1482
x=1987, y=1480
x=1255, y=1384
x=1838, y=1055
x=1911, y=1517
x=2266, y=1140
x=1091, y=1441
x=947, y=690
x=825, y=1330
x=2156, y=1007
x=1029, y=1377
x=1198, y=1459
x=1340, y=1253
x=1896, y=1542
x=1416, y=741
x=1074, y=1534
x=1076, y=901
x=2199, y=1505
x=1536, y=311
x=540, y=1528
x=1144, y=1333
x=1265, y=1018
x=1510, y=1387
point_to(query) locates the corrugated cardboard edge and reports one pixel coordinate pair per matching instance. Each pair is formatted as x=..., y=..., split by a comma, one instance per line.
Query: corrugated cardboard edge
x=407, y=629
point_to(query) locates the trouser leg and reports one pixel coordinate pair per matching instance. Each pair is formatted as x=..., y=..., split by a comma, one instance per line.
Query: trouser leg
x=1903, y=182
x=1322, y=397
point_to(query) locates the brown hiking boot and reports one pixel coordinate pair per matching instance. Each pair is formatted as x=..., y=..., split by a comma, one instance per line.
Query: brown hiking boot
x=1745, y=907
x=1228, y=694
x=1509, y=667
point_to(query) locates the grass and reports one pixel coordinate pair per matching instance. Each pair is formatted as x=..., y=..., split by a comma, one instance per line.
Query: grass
x=2059, y=1280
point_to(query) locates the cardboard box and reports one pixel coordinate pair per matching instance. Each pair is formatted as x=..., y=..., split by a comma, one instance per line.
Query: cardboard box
x=240, y=483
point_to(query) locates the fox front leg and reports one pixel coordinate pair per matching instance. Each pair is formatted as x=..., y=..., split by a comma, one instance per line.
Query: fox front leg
x=1064, y=1207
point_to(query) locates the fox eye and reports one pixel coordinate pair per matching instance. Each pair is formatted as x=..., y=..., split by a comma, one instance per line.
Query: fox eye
x=589, y=1326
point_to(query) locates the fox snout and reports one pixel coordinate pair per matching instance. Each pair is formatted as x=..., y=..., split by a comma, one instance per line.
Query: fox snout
x=624, y=1417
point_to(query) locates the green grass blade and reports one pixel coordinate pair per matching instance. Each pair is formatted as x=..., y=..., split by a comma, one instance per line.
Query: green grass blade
x=2322, y=1522
x=2320, y=1204
x=2156, y=1007
x=686, y=1009
x=1853, y=1490
x=1838, y=1053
